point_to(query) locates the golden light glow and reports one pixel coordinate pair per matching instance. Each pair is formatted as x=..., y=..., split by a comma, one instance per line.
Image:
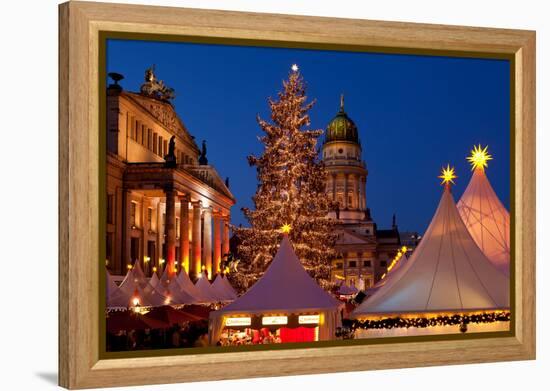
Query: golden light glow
x=135, y=301
x=154, y=269
x=161, y=261
x=129, y=267
x=478, y=157
x=447, y=175
x=146, y=259
x=285, y=229
x=404, y=249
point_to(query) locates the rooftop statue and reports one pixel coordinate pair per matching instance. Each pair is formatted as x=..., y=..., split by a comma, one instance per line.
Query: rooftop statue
x=155, y=88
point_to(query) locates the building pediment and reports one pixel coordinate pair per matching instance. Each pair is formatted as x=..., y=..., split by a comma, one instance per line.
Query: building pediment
x=347, y=237
x=164, y=113
x=210, y=176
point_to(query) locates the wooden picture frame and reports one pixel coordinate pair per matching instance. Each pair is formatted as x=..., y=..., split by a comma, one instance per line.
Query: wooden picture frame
x=81, y=23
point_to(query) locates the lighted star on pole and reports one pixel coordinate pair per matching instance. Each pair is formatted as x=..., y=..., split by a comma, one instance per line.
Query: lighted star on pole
x=447, y=175
x=285, y=229
x=294, y=68
x=479, y=157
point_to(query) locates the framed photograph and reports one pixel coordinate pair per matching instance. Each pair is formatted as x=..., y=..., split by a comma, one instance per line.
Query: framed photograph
x=247, y=195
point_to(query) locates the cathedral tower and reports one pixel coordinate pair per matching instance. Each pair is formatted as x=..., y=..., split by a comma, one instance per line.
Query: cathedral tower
x=347, y=172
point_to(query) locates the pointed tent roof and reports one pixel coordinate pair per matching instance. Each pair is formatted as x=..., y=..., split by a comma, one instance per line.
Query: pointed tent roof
x=205, y=289
x=285, y=286
x=220, y=286
x=111, y=286
x=135, y=283
x=346, y=290
x=187, y=285
x=177, y=295
x=487, y=219
x=446, y=272
x=229, y=287
x=154, y=280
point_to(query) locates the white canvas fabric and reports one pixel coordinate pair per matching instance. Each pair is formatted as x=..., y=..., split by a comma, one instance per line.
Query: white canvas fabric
x=346, y=290
x=187, y=285
x=286, y=288
x=446, y=273
x=154, y=280
x=225, y=290
x=206, y=291
x=487, y=220
x=111, y=286
x=135, y=284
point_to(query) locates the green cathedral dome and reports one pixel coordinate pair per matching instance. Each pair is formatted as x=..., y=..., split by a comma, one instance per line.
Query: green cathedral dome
x=342, y=128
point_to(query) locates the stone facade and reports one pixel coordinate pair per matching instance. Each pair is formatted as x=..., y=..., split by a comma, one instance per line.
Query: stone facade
x=160, y=214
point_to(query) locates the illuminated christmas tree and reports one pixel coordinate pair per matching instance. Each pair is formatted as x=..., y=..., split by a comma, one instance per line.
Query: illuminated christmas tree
x=291, y=191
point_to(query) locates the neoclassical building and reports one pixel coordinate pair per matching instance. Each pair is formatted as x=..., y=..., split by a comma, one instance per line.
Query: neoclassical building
x=363, y=250
x=166, y=206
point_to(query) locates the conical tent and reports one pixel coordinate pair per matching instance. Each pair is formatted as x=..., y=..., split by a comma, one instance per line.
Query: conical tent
x=388, y=276
x=176, y=295
x=487, y=219
x=187, y=285
x=446, y=273
x=220, y=286
x=154, y=280
x=229, y=287
x=134, y=285
x=111, y=286
x=205, y=290
x=285, y=287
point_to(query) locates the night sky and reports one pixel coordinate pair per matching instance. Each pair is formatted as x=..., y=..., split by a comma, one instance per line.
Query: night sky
x=414, y=113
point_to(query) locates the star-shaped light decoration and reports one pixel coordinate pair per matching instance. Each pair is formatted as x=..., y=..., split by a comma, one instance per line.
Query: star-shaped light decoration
x=447, y=175
x=285, y=229
x=479, y=157
x=294, y=68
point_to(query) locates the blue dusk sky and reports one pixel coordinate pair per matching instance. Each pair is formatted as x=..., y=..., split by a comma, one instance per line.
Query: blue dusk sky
x=414, y=113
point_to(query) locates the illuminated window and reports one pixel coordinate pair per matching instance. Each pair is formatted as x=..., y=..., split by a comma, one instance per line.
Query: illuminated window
x=133, y=208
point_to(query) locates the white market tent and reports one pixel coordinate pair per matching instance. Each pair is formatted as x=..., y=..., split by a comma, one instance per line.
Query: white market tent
x=187, y=285
x=154, y=280
x=170, y=287
x=446, y=273
x=229, y=287
x=206, y=292
x=135, y=285
x=487, y=219
x=388, y=276
x=110, y=285
x=223, y=289
x=286, y=288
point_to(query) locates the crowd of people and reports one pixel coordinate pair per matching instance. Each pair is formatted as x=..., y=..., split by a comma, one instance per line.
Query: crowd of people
x=185, y=335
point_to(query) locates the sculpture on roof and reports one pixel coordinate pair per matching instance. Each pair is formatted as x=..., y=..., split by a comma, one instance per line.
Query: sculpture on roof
x=155, y=88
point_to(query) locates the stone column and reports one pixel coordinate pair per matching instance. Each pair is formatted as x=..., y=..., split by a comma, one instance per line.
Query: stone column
x=126, y=228
x=345, y=191
x=358, y=192
x=364, y=188
x=170, y=230
x=184, y=232
x=207, y=236
x=160, y=237
x=196, y=237
x=145, y=234
x=217, y=244
x=225, y=237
